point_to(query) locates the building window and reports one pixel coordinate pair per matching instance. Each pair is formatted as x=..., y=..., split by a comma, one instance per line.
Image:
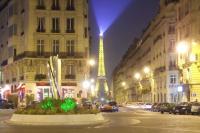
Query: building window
x=172, y=79
x=14, y=52
x=171, y=45
x=70, y=47
x=40, y=4
x=55, y=47
x=86, y=32
x=13, y=30
x=70, y=73
x=171, y=29
x=55, y=5
x=55, y=25
x=40, y=47
x=40, y=24
x=70, y=25
x=12, y=10
x=70, y=5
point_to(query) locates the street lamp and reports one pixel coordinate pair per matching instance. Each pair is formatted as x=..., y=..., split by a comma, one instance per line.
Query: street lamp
x=86, y=84
x=123, y=84
x=182, y=47
x=146, y=70
x=137, y=76
x=91, y=62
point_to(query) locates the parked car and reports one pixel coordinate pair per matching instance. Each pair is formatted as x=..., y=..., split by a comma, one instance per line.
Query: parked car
x=4, y=104
x=195, y=108
x=146, y=106
x=182, y=108
x=156, y=107
x=166, y=107
x=87, y=104
x=109, y=107
x=153, y=107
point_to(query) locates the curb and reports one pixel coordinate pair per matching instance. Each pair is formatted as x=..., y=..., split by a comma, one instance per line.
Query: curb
x=55, y=120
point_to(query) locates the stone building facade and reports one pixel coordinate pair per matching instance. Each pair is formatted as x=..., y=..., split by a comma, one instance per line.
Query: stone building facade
x=34, y=30
x=155, y=51
x=188, y=33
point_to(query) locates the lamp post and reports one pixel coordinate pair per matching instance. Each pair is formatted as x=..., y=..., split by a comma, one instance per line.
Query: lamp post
x=148, y=74
x=124, y=90
x=138, y=78
x=88, y=83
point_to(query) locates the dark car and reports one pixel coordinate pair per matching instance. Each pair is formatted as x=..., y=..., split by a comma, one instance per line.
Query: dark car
x=153, y=106
x=109, y=107
x=182, y=108
x=166, y=107
x=4, y=104
x=156, y=107
x=87, y=104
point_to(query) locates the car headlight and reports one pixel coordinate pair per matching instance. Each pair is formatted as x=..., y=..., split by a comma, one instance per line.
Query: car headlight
x=184, y=108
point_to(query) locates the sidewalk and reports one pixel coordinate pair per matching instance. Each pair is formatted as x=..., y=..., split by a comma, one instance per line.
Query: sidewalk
x=6, y=111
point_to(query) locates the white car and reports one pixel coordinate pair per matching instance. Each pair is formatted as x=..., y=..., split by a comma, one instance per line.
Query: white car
x=147, y=106
x=195, y=108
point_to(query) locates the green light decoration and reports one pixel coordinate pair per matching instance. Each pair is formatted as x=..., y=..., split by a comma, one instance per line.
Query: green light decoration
x=68, y=104
x=47, y=104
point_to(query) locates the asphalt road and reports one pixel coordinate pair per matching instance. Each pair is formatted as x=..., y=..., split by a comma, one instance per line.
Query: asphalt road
x=125, y=121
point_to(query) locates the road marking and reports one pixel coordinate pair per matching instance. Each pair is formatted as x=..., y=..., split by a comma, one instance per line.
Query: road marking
x=165, y=128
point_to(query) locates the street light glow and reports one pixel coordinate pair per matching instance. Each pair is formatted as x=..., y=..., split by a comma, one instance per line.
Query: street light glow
x=180, y=88
x=123, y=83
x=137, y=76
x=92, y=80
x=182, y=47
x=86, y=84
x=91, y=62
x=146, y=70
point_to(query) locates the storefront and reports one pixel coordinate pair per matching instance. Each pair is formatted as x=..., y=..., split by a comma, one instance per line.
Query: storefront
x=43, y=90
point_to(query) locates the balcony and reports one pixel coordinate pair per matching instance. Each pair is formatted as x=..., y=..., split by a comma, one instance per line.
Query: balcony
x=33, y=54
x=41, y=30
x=72, y=77
x=70, y=31
x=70, y=8
x=55, y=31
x=55, y=8
x=40, y=7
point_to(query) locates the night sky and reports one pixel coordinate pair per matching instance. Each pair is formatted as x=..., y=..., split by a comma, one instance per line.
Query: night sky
x=121, y=21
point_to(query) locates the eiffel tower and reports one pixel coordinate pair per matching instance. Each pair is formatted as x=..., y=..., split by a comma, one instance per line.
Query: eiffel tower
x=102, y=90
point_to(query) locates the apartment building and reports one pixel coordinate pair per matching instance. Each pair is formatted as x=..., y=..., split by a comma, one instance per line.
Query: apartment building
x=148, y=71
x=188, y=40
x=34, y=30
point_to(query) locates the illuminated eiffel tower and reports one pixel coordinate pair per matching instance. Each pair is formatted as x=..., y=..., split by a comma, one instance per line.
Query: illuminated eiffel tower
x=102, y=90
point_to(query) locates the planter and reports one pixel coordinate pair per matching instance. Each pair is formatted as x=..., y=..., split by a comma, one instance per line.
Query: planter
x=78, y=119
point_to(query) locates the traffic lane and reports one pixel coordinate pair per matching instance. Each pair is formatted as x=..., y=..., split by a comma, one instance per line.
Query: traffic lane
x=168, y=121
x=122, y=122
x=155, y=121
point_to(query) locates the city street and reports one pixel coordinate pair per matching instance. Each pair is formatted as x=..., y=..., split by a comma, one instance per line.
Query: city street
x=125, y=121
